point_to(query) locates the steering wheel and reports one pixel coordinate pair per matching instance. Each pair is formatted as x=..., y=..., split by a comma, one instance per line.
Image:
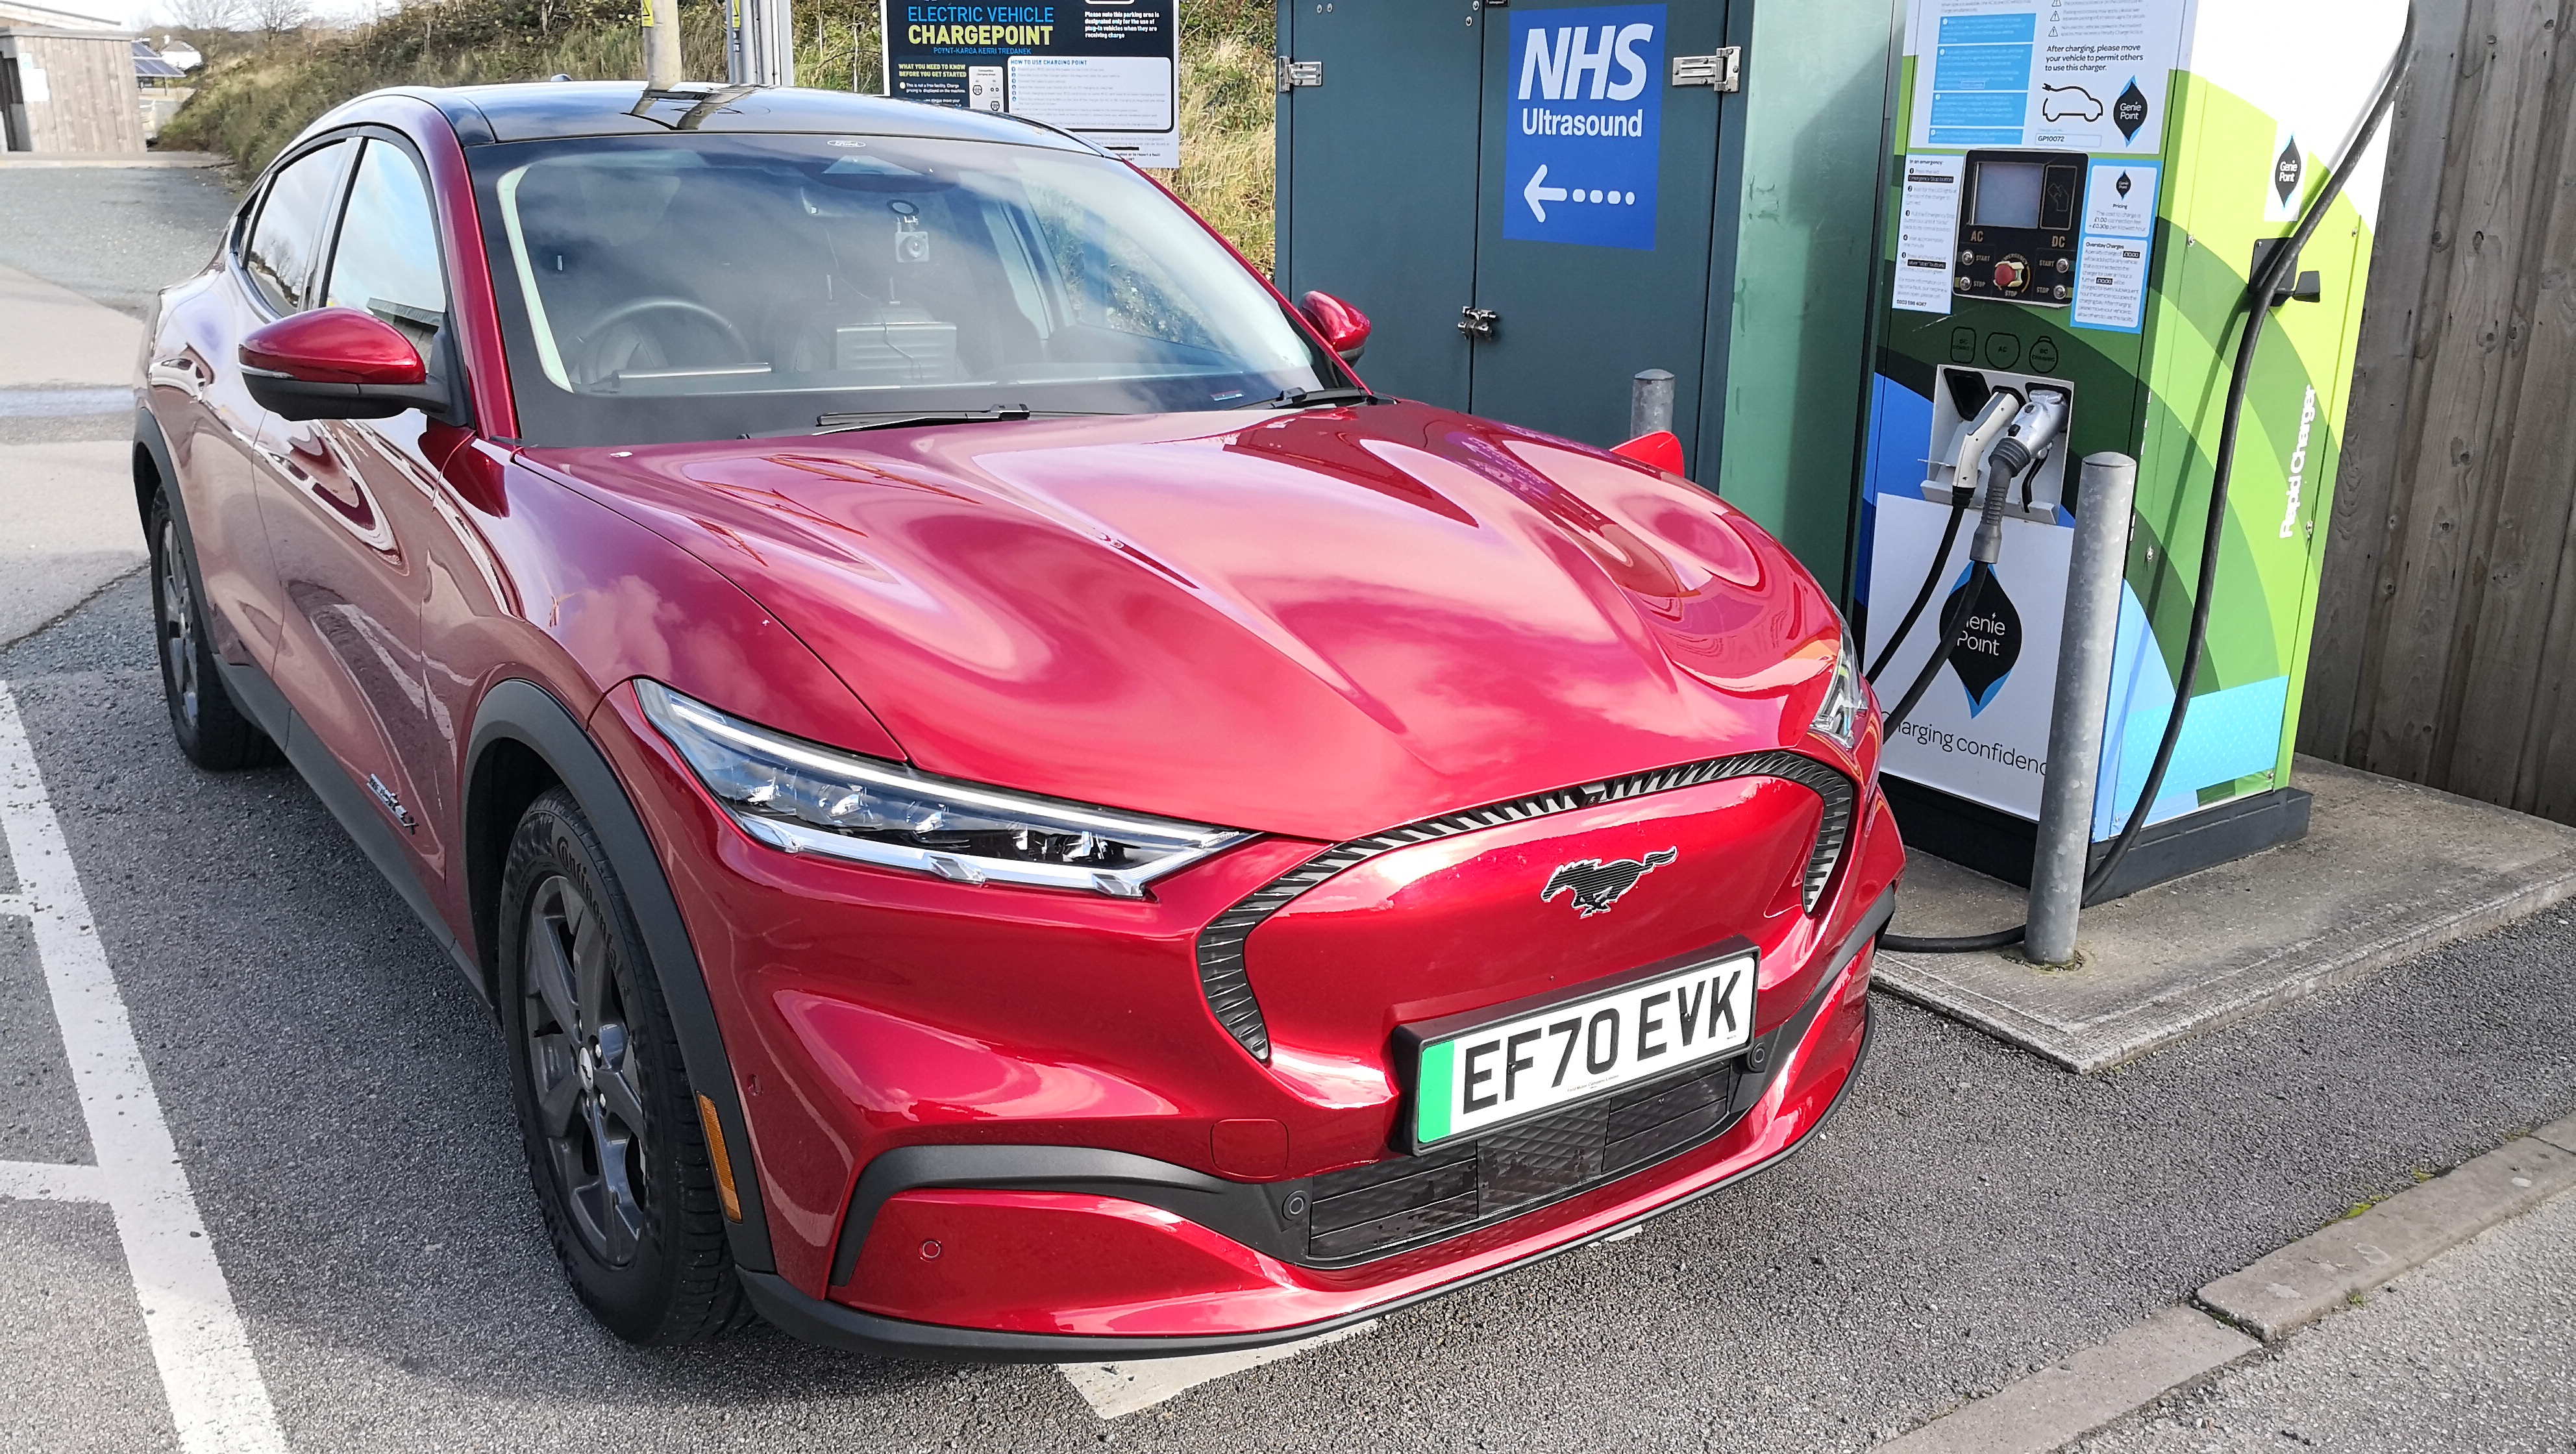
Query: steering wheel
x=599, y=328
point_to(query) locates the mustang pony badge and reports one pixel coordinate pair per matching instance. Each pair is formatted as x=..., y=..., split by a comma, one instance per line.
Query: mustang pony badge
x=1598, y=885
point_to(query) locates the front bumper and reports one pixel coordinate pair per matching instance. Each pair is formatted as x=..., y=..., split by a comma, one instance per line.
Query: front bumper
x=1007, y=1125
x=1077, y=1198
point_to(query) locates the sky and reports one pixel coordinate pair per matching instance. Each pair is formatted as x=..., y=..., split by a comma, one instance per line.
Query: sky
x=148, y=16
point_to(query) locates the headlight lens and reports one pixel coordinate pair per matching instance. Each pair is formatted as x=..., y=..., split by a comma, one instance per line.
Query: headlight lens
x=797, y=796
x=1838, y=720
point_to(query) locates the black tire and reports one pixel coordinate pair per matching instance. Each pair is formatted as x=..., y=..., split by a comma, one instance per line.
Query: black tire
x=610, y=1124
x=212, y=729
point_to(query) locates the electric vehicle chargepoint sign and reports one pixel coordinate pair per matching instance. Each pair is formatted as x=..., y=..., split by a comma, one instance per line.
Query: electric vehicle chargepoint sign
x=1586, y=122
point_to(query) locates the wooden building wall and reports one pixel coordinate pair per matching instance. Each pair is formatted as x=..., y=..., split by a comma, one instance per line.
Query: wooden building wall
x=93, y=104
x=2446, y=626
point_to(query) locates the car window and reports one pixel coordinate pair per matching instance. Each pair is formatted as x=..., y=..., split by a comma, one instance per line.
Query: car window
x=386, y=261
x=716, y=287
x=286, y=242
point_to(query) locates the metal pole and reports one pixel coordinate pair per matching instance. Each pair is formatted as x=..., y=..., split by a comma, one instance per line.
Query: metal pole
x=760, y=43
x=661, y=44
x=1650, y=402
x=2101, y=557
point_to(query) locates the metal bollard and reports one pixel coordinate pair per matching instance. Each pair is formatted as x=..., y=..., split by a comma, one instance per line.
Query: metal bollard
x=1650, y=402
x=2075, y=727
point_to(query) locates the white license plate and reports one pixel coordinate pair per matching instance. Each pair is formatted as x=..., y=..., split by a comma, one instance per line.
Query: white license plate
x=1473, y=1080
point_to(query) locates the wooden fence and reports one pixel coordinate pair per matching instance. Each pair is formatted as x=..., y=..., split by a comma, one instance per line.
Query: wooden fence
x=2446, y=624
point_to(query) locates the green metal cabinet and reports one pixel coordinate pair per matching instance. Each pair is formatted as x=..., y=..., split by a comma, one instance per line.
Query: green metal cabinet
x=1724, y=235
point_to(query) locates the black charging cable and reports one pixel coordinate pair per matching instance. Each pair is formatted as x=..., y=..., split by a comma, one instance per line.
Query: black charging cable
x=2262, y=294
x=1959, y=499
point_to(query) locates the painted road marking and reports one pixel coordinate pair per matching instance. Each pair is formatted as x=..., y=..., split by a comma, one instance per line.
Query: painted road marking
x=212, y=1381
x=45, y=1181
x=1115, y=1390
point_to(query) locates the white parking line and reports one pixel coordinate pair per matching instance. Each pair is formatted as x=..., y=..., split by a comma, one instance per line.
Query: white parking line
x=1115, y=1390
x=46, y=1181
x=216, y=1397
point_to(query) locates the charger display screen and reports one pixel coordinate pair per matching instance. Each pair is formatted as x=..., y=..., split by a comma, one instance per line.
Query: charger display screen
x=2008, y=194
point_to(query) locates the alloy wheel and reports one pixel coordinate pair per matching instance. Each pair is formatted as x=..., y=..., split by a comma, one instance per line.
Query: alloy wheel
x=590, y=1103
x=178, y=624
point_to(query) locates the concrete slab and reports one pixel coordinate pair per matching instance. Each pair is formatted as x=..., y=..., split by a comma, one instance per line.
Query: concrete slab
x=2388, y=871
x=61, y=339
x=67, y=525
x=2087, y=1391
x=2329, y=1268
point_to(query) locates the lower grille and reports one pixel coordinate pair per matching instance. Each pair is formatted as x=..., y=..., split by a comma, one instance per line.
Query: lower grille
x=1373, y=1210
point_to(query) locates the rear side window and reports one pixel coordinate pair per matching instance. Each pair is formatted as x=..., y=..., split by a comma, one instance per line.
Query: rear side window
x=386, y=261
x=286, y=242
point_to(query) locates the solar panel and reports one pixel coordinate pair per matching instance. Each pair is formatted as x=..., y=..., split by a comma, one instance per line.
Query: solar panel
x=149, y=66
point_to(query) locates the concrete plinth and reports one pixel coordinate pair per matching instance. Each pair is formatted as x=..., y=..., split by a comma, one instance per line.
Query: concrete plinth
x=2388, y=870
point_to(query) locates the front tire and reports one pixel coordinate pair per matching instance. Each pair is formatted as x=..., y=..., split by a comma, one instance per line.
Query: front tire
x=212, y=730
x=610, y=1124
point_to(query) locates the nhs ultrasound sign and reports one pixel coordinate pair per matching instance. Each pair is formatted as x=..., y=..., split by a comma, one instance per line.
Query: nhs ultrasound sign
x=1586, y=124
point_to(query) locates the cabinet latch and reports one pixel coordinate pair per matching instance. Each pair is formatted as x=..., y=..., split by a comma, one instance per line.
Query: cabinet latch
x=1723, y=71
x=1293, y=74
x=1479, y=322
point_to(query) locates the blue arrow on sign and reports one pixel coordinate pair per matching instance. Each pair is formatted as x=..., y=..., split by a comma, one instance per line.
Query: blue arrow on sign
x=1536, y=193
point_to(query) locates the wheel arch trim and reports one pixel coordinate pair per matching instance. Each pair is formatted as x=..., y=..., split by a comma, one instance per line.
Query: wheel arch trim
x=518, y=710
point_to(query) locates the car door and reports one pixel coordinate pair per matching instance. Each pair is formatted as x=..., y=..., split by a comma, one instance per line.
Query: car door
x=344, y=505
x=208, y=417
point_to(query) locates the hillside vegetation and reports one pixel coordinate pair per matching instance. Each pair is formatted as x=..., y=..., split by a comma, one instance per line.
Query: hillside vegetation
x=256, y=96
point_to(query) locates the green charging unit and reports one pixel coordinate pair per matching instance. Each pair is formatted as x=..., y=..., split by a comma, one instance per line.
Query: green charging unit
x=2078, y=194
x=1534, y=201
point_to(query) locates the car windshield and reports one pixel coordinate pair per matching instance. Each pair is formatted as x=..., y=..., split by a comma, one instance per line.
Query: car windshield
x=694, y=287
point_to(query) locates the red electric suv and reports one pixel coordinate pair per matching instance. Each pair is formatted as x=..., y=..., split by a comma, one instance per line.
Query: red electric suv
x=1008, y=807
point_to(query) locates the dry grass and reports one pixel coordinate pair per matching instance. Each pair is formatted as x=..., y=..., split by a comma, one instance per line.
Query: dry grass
x=258, y=95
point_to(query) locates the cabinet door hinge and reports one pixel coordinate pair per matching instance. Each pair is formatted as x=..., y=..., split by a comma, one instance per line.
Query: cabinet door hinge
x=1723, y=71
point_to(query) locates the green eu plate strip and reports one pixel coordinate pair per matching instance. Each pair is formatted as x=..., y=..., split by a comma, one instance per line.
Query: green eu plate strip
x=1431, y=1092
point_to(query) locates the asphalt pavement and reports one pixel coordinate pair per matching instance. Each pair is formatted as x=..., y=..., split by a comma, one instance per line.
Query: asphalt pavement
x=336, y=1095
x=2471, y=1352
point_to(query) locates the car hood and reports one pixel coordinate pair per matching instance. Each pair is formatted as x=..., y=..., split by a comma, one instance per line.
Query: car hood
x=1320, y=623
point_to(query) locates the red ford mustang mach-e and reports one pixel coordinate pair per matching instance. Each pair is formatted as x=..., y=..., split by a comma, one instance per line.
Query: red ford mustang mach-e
x=1008, y=807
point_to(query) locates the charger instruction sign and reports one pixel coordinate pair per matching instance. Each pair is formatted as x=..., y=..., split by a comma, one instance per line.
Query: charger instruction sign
x=1106, y=70
x=1586, y=126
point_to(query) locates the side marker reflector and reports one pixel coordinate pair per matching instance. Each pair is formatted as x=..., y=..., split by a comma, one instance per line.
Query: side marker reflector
x=723, y=1161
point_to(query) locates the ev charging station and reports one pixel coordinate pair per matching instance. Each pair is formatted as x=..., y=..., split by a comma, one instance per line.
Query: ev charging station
x=2082, y=190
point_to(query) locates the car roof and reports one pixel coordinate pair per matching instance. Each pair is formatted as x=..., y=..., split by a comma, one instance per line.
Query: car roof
x=546, y=110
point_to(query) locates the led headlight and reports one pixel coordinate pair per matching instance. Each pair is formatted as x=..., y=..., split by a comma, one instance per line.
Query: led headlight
x=803, y=798
x=1838, y=719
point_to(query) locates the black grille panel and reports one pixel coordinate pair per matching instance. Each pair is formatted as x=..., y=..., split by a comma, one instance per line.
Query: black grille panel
x=1227, y=981
x=1370, y=1211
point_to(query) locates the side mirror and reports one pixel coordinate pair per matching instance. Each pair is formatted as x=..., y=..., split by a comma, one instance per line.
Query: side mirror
x=337, y=363
x=1661, y=449
x=1345, y=328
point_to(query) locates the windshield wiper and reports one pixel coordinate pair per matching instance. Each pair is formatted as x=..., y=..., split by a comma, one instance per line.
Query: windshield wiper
x=845, y=423
x=1319, y=398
